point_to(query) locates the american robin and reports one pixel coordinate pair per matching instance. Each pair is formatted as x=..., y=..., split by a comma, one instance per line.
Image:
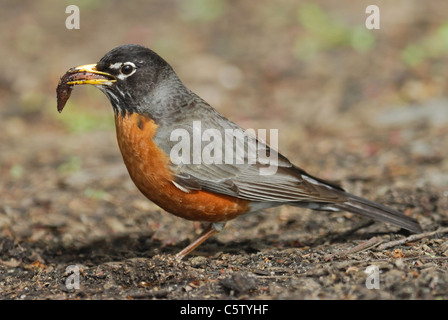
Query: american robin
x=150, y=103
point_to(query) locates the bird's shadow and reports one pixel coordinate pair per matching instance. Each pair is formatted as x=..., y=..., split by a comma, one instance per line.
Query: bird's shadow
x=127, y=246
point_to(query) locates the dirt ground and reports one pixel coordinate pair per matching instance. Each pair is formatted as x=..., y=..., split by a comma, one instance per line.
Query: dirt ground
x=367, y=108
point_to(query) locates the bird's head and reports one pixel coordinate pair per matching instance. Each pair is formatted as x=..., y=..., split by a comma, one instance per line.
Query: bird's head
x=127, y=75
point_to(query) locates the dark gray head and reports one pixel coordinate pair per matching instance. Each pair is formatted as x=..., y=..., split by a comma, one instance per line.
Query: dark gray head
x=145, y=82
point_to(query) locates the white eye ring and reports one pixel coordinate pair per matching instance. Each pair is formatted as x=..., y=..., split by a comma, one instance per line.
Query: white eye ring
x=127, y=69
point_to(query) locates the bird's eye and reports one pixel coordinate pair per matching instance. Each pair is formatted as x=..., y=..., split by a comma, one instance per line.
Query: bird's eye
x=127, y=69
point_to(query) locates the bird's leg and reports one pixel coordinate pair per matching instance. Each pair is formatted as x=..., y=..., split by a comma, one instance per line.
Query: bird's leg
x=210, y=230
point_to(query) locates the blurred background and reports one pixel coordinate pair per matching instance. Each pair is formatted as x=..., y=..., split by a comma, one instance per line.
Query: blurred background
x=364, y=107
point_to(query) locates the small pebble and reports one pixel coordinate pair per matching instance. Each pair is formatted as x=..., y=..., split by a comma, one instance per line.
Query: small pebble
x=197, y=262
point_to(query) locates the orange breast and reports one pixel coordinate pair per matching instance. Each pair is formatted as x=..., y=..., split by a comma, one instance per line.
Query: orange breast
x=148, y=167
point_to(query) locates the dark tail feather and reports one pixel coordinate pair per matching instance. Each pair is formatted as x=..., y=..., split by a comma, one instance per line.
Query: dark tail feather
x=377, y=211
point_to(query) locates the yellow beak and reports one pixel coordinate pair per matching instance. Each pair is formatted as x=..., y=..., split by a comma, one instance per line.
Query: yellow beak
x=91, y=76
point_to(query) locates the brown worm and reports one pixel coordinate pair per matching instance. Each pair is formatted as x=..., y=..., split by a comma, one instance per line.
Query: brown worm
x=64, y=90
